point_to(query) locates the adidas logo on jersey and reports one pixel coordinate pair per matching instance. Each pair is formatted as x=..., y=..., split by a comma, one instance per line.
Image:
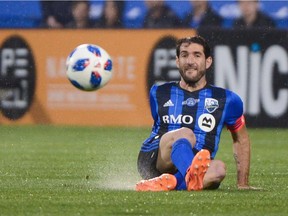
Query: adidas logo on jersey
x=169, y=103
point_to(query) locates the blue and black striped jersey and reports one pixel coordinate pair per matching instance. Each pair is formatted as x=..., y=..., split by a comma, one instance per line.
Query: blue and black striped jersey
x=205, y=111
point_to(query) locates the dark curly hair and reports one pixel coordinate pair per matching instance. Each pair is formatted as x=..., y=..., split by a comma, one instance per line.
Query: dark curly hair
x=195, y=39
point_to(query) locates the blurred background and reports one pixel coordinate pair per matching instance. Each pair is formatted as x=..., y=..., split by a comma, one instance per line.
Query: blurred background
x=249, y=40
x=32, y=14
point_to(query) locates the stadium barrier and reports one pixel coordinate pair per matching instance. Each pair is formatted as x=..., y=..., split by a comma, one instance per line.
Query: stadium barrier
x=34, y=61
x=34, y=88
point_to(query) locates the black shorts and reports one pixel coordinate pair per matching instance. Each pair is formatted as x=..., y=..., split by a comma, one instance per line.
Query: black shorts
x=147, y=158
x=147, y=164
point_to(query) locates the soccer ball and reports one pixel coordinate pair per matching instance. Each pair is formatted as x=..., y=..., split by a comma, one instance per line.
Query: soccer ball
x=89, y=67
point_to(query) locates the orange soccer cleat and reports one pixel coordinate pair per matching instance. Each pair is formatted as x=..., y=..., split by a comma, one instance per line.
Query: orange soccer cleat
x=165, y=182
x=196, y=172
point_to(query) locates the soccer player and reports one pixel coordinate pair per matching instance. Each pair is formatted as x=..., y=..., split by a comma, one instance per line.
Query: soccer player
x=188, y=119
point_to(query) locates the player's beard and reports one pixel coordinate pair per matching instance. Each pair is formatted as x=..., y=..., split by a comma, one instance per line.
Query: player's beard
x=192, y=81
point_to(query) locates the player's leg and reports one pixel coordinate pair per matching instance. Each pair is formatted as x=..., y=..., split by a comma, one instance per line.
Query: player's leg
x=153, y=178
x=214, y=175
x=171, y=143
x=174, y=153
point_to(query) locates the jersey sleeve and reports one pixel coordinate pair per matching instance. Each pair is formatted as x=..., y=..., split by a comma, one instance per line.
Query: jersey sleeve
x=234, y=114
x=153, y=102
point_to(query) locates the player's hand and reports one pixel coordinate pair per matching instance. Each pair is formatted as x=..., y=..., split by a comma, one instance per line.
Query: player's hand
x=247, y=187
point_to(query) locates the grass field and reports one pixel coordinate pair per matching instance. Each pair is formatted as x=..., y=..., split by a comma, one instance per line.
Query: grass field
x=48, y=170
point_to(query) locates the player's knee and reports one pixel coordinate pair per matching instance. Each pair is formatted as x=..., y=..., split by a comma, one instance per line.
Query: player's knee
x=185, y=133
x=171, y=137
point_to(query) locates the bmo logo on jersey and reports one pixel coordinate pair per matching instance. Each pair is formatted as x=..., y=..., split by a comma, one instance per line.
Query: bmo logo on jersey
x=206, y=122
x=171, y=119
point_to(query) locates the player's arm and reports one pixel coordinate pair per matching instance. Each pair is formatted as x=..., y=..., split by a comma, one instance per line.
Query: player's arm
x=241, y=150
x=241, y=143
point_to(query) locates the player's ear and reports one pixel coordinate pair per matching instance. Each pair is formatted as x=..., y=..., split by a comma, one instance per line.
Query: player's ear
x=209, y=62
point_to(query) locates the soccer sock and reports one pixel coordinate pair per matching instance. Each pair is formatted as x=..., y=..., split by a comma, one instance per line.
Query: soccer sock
x=181, y=184
x=182, y=156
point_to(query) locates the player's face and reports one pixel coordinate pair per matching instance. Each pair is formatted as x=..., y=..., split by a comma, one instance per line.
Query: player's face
x=192, y=63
